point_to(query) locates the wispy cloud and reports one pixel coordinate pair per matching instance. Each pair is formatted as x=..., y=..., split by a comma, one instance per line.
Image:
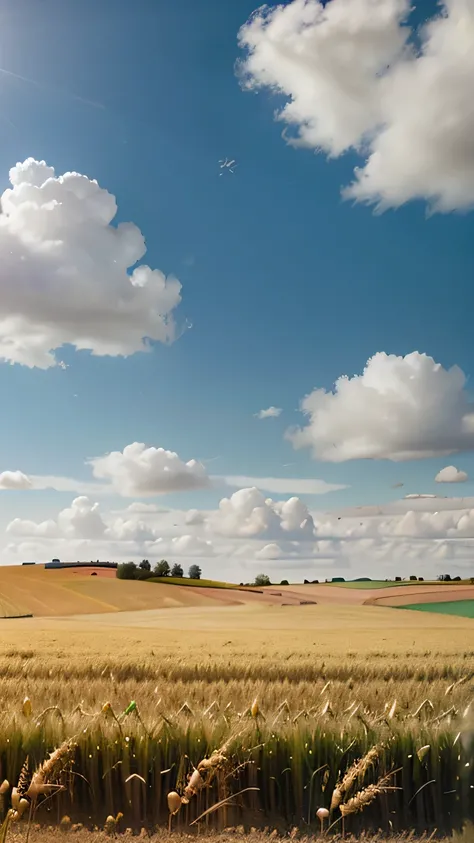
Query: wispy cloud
x=269, y=413
x=284, y=485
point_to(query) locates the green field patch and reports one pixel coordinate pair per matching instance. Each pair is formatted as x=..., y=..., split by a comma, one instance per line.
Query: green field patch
x=461, y=608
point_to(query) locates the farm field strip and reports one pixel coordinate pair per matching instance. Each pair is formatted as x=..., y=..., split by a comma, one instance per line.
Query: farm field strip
x=459, y=608
x=76, y=591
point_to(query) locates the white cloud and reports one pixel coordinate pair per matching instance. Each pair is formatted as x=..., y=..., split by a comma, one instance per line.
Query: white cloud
x=26, y=527
x=15, y=480
x=450, y=474
x=83, y=528
x=355, y=76
x=194, y=516
x=247, y=514
x=83, y=520
x=188, y=545
x=286, y=485
x=400, y=408
x=269, y=413
x=144, y=508
x=424, y=536
x=40, y=482
x=416, y=495
x=270, y=551
x=65, y=273
x=138, y=471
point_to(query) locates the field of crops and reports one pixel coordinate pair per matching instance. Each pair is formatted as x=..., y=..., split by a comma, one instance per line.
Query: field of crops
x=460, y=608
x=381, y=739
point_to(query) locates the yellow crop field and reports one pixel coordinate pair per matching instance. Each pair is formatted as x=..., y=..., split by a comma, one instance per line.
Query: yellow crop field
x=362, y=711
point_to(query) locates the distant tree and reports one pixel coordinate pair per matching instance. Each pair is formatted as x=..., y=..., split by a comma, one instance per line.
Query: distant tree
x=284, y=582
x=162, y=569
x=412, y=577
x=456, y=579
x=306, y=582
x=398, y=579
x=145, y=565
x=420, y=579
x=177, y=570
x=127, y=571
x=262, y=579
x=315, y=582
x=194, y=572
x=445, y=577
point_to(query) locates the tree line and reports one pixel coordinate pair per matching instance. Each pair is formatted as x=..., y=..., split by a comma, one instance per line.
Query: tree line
x=144, y=571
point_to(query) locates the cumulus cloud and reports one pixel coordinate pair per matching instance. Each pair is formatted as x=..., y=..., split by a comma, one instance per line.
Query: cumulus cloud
x=269, y=413
x=83, y=527
x=15, y=480
x=270, y=551
x=195, y=516
x=138, y=471
x=450, y=474
x=356, y=76
x=400, y=408
x=189, y=545
x=247, y=514
x=422, y=535
x=286, y=485
x=64, y=272
x=83, y=520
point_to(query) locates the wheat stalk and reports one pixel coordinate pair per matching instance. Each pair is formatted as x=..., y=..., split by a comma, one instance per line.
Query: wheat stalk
x=356, y=772
x=360, y=801
x=45, y=777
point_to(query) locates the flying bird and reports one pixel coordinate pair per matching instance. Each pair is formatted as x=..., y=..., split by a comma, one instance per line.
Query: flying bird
x=228, y=164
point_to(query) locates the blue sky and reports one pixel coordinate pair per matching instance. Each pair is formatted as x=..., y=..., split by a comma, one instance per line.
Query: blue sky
x=286, y=285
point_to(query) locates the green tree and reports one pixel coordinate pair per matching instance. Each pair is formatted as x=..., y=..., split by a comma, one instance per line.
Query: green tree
x=127, y=571
x=177, y=570
x=194, y=572
x=262, y=579
x=145, y=565
x=162, y=569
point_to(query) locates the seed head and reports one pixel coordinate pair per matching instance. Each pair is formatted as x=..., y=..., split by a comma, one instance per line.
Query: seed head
x=174, y=802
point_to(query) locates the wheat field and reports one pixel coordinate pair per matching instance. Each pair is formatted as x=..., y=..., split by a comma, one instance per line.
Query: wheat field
x=294, y=698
